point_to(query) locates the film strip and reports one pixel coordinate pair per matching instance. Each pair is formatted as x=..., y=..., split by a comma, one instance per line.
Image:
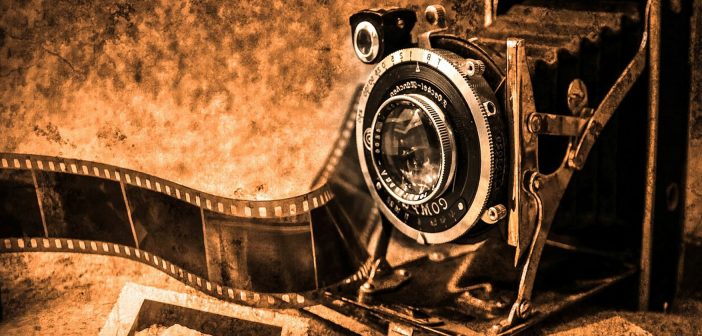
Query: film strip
x=223, y=205
x=217, y=290
x=271, y=254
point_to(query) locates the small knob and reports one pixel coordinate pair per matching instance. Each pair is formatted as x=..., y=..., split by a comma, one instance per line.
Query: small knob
x=494, y=214
x=577, y=96
x=474, y=67
x=436, y=15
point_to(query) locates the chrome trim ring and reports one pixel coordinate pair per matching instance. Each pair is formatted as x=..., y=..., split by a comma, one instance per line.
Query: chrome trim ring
x=374, y=49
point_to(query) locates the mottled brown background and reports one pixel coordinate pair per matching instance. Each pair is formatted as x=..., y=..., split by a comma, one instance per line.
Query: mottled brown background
x=240, y=98
x=694, y=179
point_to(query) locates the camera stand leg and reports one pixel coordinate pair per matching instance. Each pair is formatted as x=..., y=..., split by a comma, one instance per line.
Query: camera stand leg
x=381, y=276
x=537, y=196
x=381, y=247
x=547, y=190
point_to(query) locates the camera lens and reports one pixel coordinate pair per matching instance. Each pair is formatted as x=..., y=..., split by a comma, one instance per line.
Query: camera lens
x=365, y=41
x=413, y=148
x=430, y=144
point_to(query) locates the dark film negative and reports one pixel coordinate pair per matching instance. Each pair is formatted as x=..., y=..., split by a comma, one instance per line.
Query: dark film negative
x=274, y=254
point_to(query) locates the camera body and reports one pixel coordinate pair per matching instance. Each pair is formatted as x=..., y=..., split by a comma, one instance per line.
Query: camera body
x=508, y=141
x=478, y=184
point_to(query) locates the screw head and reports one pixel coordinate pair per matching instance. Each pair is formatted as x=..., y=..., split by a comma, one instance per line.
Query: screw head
x=436, y=256
x=524, y=308
x=436, y=15
x=535, y=123
x=494, y=214
x=400, y=23
x=537, y=183
x=474, y=67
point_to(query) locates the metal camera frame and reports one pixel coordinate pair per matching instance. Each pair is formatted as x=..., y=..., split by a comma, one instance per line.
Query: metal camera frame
x=533, y=196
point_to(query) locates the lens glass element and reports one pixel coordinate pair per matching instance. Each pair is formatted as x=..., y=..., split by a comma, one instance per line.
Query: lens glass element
x=364, y=41
x=411, y=151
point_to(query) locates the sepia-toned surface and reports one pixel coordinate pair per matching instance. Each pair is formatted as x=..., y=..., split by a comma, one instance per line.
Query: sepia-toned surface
x=238, y=99
x=694, y=178
x=68, y=294
x=72, y=294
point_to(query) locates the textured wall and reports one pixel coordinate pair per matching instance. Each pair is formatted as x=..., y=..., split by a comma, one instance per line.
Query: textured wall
x=239, y=98
x=694, y=178
x=216, y=96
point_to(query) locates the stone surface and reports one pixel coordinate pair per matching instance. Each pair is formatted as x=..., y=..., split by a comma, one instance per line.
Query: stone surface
x=611, y=326
x=156, y=311
x=69, y=294
x=73, y=294
x=174, y=330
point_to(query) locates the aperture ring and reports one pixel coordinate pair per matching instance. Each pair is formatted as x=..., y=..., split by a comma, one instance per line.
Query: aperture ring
x=484, y=95
x=447, y=142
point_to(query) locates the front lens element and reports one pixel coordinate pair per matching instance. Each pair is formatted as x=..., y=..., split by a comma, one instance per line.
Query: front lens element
x=364, y=41
x=411, y=151
x=413, y=148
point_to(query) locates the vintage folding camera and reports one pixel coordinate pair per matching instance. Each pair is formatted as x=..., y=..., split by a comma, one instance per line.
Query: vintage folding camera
x=483, y=179
x=530, y=143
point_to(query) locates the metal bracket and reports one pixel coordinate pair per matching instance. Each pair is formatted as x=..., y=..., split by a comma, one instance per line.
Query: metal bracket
x=555, y=124
x=436, y=16
x=382, y=280
x=484, y=305
x=612, y=100
x=534, y=197
x=519, y=96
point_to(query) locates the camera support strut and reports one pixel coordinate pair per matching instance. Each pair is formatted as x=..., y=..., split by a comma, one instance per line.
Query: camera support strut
x=534, y=197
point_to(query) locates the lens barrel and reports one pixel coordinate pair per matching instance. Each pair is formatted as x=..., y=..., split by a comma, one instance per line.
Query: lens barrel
x=431, y=154
x=413, y=148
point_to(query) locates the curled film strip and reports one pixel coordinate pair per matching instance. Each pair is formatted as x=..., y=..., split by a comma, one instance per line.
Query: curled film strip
x=273, y=254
